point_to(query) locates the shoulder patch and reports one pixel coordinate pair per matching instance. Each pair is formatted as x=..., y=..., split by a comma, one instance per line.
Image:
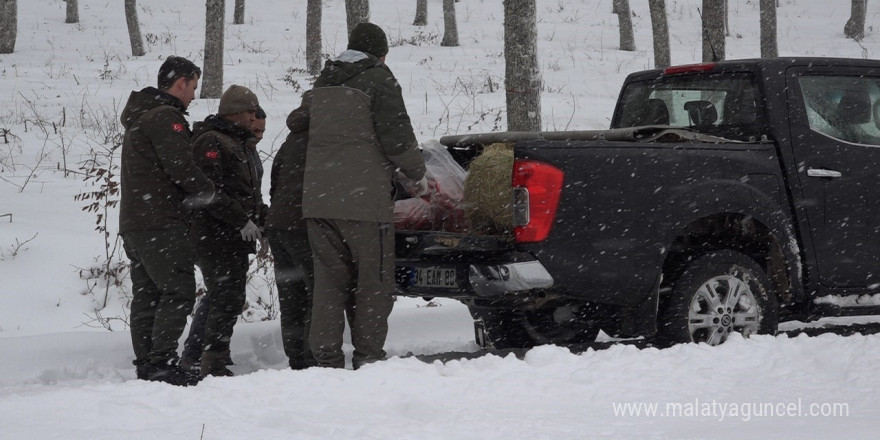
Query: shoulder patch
x=212, y=154
x=177, y=126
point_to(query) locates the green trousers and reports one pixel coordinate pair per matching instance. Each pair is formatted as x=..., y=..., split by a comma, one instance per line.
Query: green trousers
x=163, y=290
x=225, y=273
x=294, y=277
x=354, y=279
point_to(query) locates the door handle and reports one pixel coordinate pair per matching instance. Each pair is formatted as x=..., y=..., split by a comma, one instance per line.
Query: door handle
x=819, y=172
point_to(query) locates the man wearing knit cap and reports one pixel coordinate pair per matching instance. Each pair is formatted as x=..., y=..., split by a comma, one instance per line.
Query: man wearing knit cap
x=359, y=133
x=191, y=357
x=228, y=230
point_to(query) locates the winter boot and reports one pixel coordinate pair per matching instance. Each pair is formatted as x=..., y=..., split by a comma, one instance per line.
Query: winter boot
x=214, y=363
x=190, y=364
x=302, y=363
x=170, y=374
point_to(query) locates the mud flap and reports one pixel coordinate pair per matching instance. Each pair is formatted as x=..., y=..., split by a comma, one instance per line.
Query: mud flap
x=480, y=334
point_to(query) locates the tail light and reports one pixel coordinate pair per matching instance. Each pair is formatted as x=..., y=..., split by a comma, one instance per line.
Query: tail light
x=536, y=188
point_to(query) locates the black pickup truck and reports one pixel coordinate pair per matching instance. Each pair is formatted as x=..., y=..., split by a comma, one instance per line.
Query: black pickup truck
x=725, y=197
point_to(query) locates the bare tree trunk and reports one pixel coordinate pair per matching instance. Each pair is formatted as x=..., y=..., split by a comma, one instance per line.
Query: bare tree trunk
x=855, y=26
x=421, y=13
x=624, y=17
x=661, y=33
x=72, y=12
x=212, y=74
x=238, y=12
x=726, y=18
x=768, y=29
x=522, y=76
x=356, y=11
x=713, y=30
x=313, y=36
x=8, y=25
x=450, y=28
x=134, y=28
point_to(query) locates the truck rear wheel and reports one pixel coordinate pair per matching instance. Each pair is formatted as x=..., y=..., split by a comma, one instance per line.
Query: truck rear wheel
x=717, y=294
x=529, y=328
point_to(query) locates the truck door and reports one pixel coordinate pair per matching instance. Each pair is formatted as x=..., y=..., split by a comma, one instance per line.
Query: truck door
x=835, y=133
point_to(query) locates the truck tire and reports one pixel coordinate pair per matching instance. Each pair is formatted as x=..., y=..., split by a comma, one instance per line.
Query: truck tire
x=718, y=293
x=528, y=328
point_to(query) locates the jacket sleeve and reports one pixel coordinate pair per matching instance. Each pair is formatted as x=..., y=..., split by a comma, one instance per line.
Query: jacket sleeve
x=209, y=154
x=169, y=134
x=277, y=163
x=394, y=128
x=298, y=119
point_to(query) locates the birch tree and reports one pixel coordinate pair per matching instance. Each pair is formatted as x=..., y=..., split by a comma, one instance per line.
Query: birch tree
x=238, y=12
x=855, y=26
x=660, y=28
x=8, y=25
x=72, y=12
x=713, y=30
x=313, y=37
x=624, y=18
x=450, y=28
x=522, y=76
x=421, y=13
x=212, y=73
x=356, y=11
x=134, y=28
x=768, y=29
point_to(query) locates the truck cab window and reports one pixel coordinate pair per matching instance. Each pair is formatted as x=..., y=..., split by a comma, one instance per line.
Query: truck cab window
x=846, y=108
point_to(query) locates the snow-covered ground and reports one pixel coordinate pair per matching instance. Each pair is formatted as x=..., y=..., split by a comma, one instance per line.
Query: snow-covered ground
x=63, y=375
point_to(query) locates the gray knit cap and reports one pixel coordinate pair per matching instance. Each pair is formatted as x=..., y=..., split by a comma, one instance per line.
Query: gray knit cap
x=237, y=99
x=369, y=38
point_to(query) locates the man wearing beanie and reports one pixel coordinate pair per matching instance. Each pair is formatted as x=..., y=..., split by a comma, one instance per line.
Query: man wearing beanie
x=359, y=133
x=191, y=357
x=228, y=230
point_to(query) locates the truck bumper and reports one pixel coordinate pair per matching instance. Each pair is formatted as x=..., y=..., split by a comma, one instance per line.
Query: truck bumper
x=499, y=279
x=478, y=280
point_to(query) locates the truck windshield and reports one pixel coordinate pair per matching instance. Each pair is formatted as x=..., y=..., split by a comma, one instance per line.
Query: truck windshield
x=718, y=104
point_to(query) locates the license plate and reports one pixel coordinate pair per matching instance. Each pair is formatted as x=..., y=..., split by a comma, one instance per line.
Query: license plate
x=434, y=277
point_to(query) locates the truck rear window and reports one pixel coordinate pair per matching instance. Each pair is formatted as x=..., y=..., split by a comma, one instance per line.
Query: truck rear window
x=718, y=104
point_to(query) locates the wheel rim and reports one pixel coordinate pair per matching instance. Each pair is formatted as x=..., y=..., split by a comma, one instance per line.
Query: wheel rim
x=723, y=305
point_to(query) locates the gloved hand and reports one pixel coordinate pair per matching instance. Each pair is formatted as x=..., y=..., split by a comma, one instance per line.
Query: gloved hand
x=421, y=188
x=250, y=232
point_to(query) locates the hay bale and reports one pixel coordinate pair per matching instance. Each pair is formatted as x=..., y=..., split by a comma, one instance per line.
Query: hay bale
x=488, y=193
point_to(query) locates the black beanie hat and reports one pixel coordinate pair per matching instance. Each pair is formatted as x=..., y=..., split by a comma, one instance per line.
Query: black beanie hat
x=369, y=38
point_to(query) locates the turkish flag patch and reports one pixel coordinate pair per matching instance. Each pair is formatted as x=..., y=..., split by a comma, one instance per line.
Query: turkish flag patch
x=178, y=127
x=212, y=154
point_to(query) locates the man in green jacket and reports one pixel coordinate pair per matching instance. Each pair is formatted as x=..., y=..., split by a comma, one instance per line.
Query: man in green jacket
x=291, y=252
x=191, y=358
x=359, y=134
x=160, y=183
x=227, y=231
